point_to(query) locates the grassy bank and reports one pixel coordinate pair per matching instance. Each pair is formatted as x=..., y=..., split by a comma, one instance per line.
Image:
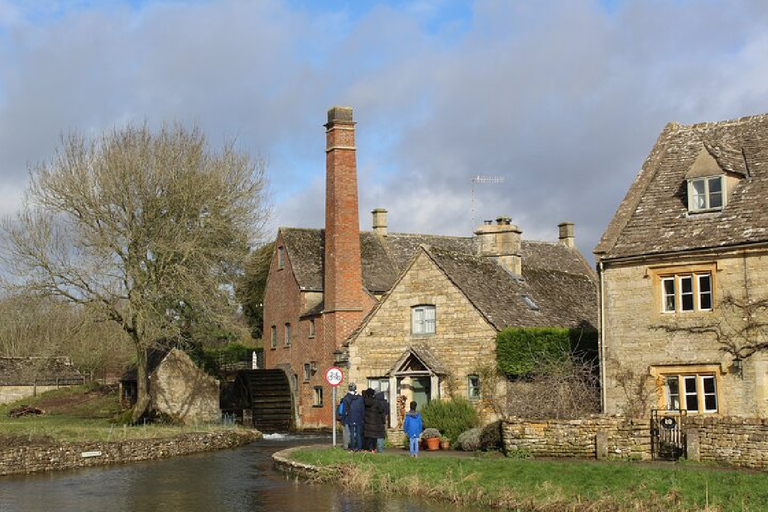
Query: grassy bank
x=81, y=413
x=543, y=485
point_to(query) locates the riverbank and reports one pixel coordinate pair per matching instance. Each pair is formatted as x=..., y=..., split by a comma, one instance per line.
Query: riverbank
x=65, y=455
x=535, y=485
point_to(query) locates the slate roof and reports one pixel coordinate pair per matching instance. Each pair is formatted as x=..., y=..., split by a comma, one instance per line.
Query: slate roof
x=558, y=282
x=27, y=371
x=383, y=258
x=653, y=217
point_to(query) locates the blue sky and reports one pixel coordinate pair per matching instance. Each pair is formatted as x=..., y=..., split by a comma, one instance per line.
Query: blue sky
x=564, y=98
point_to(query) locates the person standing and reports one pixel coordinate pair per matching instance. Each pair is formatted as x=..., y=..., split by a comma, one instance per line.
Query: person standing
x=372, y=427
x=382, y=433
x=355, y=417
x=413, y=426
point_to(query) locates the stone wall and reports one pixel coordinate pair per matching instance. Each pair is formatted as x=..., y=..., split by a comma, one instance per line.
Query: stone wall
x=10, y=394
x=638, y=339
x=37, y=458
x=740, y=442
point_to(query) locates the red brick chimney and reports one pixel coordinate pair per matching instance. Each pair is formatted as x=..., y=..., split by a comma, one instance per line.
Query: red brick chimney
x=343, y=279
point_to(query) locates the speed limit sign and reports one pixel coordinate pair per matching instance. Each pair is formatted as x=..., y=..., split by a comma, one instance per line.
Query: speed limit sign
x=334, y=376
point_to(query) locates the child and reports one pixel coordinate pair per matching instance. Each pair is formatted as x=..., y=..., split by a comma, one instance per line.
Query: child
x=412, y=426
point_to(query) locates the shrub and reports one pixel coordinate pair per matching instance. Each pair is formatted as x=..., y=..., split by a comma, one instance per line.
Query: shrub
x=490, y=437
x=451, y=417
x=429, y=433
x=527, y=351
x=469, y=441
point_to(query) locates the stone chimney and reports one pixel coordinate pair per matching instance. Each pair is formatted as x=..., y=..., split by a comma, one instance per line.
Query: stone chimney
x=566, y=235
x=380, y=221
x=502, y=242
x=342, y=281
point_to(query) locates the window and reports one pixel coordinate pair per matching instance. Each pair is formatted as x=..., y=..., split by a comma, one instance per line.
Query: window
x=307, y=371
x=281, y=257
x=705, y=194
x=380, y=384
x=473, y=387
x=686, y=292
x=311, y=327
x=423, y=320
x=694, y=393
x=317, y=396
x=287, y=335
x=529, y=302
x=273, y=337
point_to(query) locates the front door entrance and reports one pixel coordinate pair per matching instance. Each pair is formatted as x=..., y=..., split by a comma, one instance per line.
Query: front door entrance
x=421, y=390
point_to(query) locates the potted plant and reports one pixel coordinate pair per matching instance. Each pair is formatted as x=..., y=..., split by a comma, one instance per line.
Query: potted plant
x=431, y=437
x=445, y=443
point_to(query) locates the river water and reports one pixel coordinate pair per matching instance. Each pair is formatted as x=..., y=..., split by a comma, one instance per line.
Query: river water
x=230, y=480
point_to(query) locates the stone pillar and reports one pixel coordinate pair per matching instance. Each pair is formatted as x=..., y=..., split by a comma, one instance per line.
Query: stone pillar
x=692, y=444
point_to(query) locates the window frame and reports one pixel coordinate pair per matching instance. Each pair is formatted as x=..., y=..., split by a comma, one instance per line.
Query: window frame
x=307, y=372
x=287, y=334
x=317, y=396
x=701, y=200
x=691, y=386
x=685, y=290
x=474, y=392
x=420, y=323
x=273, y=337
x=280, y=257
x=311, y=328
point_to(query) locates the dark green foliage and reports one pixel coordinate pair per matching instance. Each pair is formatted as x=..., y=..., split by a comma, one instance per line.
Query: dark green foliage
x=450, y=417
x=490, y=437
x=469, y=441
x=523, y=352
x=250, y=289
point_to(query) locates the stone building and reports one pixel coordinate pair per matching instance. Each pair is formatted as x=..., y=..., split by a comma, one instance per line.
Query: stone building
x=324, y=283
x=683, y=274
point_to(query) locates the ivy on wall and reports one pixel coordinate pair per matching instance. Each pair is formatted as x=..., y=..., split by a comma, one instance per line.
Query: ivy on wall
x=526, y=351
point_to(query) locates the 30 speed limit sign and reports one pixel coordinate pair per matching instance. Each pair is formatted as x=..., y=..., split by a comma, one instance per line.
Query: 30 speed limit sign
x=334, y=376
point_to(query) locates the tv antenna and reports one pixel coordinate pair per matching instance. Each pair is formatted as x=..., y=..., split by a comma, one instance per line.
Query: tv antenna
x=482, y=180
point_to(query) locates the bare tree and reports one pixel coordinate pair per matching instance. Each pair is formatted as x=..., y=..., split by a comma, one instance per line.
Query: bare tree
x=147, y=230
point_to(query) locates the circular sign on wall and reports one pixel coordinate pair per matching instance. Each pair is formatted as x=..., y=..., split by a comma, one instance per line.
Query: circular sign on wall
x=334, y=376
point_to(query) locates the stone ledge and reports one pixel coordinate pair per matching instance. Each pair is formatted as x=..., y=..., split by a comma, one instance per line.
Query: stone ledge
x=62, y=456
x=281, y=461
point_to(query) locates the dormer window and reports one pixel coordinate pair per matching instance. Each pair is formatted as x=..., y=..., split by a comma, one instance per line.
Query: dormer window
x=705, y=194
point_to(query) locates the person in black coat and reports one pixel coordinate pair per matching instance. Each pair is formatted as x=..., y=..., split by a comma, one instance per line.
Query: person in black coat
x=373, y=428
x=384, y=405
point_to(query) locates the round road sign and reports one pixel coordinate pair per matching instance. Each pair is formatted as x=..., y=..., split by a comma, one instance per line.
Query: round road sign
x=334, y=376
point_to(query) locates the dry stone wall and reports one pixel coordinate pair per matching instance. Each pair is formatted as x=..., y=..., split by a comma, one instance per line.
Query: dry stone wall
x=37, y=458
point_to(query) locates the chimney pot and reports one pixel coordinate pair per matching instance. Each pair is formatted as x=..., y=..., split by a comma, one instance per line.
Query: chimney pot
x=503, y=242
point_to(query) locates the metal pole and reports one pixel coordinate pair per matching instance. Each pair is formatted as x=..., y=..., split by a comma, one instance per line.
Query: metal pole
x=333, y=406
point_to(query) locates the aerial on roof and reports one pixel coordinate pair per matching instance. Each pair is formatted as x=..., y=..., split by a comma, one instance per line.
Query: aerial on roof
x=655, y=218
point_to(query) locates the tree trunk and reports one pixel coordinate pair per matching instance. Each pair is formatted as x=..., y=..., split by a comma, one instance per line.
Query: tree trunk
x=142, y=384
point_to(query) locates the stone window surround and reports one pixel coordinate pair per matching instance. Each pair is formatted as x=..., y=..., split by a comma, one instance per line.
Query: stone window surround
x=307, y=372
x=658, y=273
x=317, y=396
x=660, y=372
x=423, y=301
x=473, y=387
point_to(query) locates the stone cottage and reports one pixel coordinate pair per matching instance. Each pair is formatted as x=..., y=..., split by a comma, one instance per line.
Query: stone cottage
x=683, y=270
x=324, y=283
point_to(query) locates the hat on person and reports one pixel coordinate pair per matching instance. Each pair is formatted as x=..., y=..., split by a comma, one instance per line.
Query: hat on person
x=352, y=386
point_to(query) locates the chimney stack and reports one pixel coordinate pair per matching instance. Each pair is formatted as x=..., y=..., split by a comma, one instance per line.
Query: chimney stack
x=502, y=241
x=343, y=281
x=380, y=221
x=567, y=237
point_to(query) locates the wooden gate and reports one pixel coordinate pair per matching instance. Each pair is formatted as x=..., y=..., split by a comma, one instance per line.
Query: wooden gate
x=667, y=434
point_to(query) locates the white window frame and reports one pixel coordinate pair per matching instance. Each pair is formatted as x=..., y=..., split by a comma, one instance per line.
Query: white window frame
x=686, y=292
x=701, y=197
x=691, y=389
x=423, y=319
x=473, y=387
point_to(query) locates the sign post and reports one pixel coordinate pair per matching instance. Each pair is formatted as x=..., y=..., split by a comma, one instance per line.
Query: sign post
x=334, y=376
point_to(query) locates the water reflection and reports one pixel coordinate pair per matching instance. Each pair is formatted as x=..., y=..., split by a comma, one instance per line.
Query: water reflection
x=234, y=480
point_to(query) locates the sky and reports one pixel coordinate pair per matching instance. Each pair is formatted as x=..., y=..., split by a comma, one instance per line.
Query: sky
x=563, y=99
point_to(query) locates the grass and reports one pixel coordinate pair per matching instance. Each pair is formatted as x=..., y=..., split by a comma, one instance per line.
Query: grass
x=79, y=414
x=545, y=485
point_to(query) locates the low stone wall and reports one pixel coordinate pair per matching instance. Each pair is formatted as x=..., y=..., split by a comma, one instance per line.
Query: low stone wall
x=35, y=458
x=282, y=462
x=740, y=442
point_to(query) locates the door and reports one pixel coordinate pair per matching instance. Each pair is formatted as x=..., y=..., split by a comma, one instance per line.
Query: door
x=421, y=390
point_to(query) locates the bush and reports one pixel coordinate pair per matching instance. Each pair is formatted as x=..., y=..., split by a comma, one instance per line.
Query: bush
x=430, y=433
x=521, y=352
x=490, y=437
x=469, y=441
x=451, y=417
